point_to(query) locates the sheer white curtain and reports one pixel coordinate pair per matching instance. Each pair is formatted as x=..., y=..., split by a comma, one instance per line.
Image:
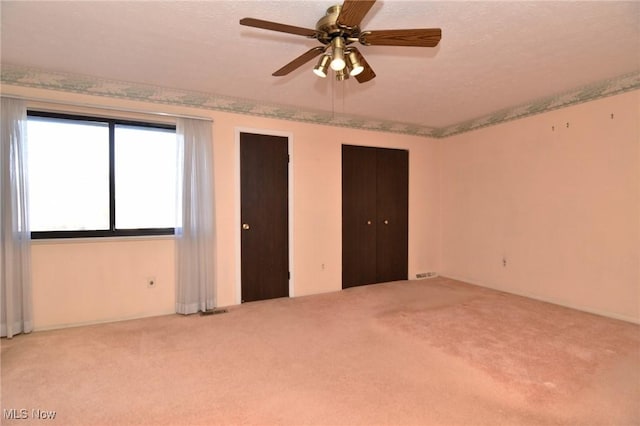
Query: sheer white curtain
x=195, y=238
x=15, y=238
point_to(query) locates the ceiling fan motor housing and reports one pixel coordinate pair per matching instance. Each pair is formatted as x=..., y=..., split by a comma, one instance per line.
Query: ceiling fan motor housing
x=329, y=28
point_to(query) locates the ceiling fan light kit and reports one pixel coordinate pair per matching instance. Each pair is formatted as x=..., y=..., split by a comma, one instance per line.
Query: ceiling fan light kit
x=337, y=31
x=342, y=75
x=337, y=48
x=353, y=63
x=322, y=67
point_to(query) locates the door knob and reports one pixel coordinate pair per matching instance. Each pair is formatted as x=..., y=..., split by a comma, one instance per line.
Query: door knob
x=368, y=222
x=386, y=222
x=245, y=226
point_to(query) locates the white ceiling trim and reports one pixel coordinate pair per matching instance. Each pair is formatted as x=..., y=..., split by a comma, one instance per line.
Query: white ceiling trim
x=65, y=82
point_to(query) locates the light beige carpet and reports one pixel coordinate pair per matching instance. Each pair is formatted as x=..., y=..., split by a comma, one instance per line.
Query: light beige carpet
x=432, y=352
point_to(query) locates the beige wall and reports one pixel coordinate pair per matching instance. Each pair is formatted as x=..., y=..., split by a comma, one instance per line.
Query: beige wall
x=82, y=282
x=563, y=206
x=78, y=282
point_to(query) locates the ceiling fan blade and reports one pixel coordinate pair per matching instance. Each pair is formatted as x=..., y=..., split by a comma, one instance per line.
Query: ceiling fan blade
x=426, y=37
x=275, y=26
x=353, y=11
x=299, y=61
x=367, y=74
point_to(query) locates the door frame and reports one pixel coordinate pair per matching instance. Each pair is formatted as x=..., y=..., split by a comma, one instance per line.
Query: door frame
x=238, y=219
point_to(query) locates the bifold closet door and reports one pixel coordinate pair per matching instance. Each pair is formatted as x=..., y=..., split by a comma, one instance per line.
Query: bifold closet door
x=375, y=194
x=392, y=189
x=358, y=215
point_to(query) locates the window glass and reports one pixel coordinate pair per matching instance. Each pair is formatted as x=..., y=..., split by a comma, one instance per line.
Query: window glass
x=145, y=177
x=68, y=173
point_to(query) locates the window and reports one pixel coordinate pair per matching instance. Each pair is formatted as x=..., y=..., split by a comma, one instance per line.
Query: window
x=95, y=177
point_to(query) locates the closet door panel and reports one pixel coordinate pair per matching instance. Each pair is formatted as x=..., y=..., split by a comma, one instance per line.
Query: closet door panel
x=358, y=216
x=392, y=207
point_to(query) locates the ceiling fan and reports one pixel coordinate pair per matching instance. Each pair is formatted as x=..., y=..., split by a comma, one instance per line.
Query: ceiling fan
x=337, y=31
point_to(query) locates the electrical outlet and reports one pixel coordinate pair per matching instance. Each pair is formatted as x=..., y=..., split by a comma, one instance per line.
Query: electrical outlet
x=151, y=282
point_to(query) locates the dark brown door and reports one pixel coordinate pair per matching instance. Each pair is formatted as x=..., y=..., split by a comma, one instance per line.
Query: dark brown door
x=358, y=215
x=375, y=210
x=392, y=190
x=264, y=214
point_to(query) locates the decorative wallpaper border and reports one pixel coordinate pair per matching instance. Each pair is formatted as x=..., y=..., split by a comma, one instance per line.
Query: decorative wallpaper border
x=602, y=89
x=31, y=77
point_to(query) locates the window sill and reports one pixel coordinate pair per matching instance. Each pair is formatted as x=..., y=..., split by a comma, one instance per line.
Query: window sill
x=83, y=240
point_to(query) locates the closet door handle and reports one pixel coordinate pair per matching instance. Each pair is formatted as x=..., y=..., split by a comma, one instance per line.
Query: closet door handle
x=245, y=226
x=368, y=222
x=386, y=222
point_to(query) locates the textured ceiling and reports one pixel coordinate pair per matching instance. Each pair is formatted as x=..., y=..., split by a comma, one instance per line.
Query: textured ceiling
x=493, y=55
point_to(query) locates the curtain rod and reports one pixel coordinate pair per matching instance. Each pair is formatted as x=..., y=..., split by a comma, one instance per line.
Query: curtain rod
x=109, y=108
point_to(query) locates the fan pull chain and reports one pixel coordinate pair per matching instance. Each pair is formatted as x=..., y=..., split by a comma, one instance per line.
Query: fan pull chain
x=344, y=90
x=333, y=99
